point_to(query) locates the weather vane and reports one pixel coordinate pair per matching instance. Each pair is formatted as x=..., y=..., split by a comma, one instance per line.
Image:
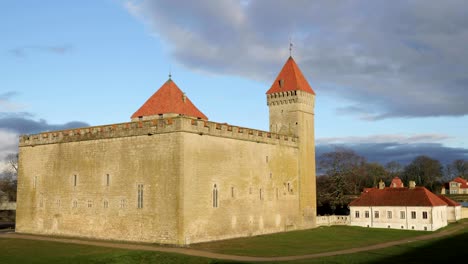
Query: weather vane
x=290, y=47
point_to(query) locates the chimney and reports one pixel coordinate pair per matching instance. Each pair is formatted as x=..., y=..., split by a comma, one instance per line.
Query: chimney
x=184, y=97
x=381, y=184
x=412, y=184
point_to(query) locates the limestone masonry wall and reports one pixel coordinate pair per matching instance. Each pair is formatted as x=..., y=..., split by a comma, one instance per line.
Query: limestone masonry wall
x=156, y=126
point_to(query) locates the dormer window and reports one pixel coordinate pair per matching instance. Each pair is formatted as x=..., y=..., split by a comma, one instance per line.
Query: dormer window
x=281, y=83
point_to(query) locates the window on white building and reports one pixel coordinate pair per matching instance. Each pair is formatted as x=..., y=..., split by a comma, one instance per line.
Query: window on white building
x=424, y=215
x=366, y=214
x=376, y=214
x=356, y=214
x=413, y=215
x=402, y=215
x=389, y=214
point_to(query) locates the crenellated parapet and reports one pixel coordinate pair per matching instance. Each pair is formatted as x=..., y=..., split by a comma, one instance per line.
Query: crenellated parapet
x=157, y=126
x=290, y=97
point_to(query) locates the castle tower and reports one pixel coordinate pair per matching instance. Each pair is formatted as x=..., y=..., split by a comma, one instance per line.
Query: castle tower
x=291, y=102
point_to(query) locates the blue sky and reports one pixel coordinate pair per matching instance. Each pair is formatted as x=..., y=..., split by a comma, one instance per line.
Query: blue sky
x=390, y=76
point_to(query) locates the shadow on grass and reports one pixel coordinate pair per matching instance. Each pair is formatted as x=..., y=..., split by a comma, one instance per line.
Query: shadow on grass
x=438, y=251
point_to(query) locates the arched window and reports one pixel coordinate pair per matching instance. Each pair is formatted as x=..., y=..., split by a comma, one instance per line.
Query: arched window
x=215, y=196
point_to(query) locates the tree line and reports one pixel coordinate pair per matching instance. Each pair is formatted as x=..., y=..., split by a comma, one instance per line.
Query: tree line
x=343, y=174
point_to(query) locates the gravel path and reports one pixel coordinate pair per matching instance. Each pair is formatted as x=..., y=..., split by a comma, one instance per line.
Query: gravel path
x=207, y=254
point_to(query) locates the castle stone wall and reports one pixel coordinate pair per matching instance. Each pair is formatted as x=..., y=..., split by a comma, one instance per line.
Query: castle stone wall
x=256, y=185
x=50, y=202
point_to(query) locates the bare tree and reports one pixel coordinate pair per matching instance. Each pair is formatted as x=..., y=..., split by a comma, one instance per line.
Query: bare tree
x=460, y=167
x=343, y=168
x=12, y=160
x=425, y=171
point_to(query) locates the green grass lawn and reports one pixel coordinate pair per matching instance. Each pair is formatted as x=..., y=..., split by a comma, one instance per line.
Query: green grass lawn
x=291, y=243
x=303, y=242
x=442, y=250
x=16, y=251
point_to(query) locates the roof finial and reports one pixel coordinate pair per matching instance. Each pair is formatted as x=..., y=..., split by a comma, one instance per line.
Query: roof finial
x=170, y=71
x=290, y=47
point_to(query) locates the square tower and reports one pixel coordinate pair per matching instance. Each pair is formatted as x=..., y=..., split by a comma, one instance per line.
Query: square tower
x=291, y=102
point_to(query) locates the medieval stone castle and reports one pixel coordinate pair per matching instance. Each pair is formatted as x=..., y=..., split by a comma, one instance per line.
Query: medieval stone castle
x=171, y=176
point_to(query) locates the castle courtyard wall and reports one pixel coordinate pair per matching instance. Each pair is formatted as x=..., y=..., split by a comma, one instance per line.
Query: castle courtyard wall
x=50, y=202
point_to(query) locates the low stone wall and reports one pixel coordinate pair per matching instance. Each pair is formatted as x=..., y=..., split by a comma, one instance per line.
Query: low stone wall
x=7, y=206
x=464, y=212
x=330, y=220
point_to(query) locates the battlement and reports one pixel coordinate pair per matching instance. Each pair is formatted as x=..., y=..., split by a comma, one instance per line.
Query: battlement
x=290, y=97
x=157, y=126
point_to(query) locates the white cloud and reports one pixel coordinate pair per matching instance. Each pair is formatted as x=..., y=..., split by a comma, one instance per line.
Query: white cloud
x=8, y=144
x=391, y=58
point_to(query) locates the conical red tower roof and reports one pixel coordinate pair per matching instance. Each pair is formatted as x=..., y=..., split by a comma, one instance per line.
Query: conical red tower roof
x=169, y=99
x=290, y=78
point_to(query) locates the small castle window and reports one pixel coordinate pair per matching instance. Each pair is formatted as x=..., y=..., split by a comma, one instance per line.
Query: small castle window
x=215, y=196
x=75, y=180
x=75, y=204
x=107, y=179
x=35, y=182
x=261, y=197
x=232, y=192
x=90, y=203
x=140, y=195
x=122, y=203
x=58, y=202
x=106, y=204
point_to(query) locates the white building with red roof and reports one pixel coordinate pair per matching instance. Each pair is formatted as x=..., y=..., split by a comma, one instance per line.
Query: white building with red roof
x=397, y=207
x=456, y=186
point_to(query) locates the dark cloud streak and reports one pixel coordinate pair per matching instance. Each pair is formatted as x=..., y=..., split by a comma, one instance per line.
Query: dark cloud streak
x=403, y=153
x=22, y=125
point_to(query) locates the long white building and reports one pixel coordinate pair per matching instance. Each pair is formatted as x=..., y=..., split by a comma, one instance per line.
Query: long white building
x=397, y=207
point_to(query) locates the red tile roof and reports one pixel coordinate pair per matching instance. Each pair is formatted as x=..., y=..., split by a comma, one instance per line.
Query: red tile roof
x=463, y=182
x=169, y=99
x=290, y=78
x=396, y=183
x=418, y=196
x=447, y=200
